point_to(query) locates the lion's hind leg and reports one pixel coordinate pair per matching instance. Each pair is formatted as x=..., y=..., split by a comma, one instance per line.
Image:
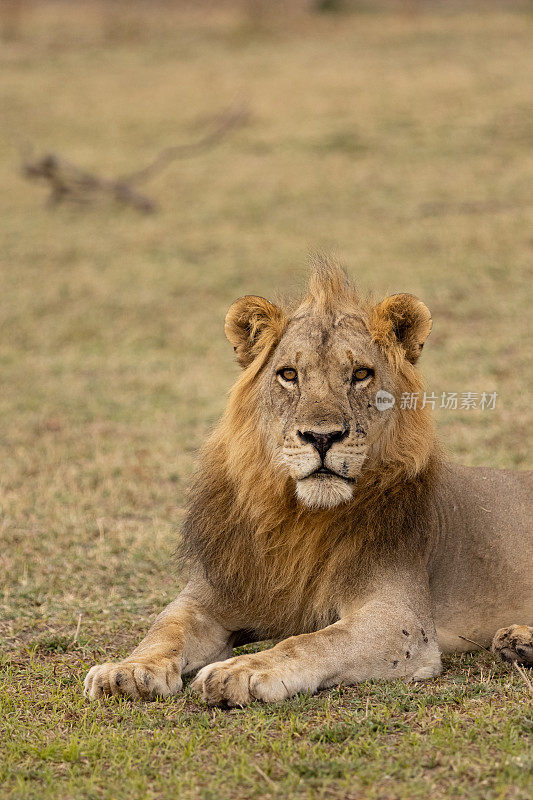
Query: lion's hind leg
x=515, y=644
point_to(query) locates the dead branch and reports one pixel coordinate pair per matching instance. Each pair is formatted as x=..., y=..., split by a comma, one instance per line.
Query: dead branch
x=69, y=182
x=229, y=119
x=521, y=671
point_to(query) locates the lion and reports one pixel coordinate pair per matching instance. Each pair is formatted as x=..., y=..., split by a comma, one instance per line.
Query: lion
x=332, y=523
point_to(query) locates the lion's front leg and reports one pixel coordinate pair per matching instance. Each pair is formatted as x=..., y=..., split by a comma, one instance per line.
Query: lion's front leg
x=391, y=636
x=184, y=637
x=269, y=676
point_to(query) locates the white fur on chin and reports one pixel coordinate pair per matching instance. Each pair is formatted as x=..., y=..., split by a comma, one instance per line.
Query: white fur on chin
x=323, y=491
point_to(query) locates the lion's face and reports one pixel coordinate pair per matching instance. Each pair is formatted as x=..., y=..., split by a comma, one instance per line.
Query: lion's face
x=319, y=405
x=318, y=372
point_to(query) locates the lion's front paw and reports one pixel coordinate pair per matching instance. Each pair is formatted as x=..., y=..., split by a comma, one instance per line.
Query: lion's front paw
x=137, y=679
x=515, y=644
x=240, y=680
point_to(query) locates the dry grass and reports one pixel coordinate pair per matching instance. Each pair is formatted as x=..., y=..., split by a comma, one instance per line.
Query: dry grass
x=404, y=144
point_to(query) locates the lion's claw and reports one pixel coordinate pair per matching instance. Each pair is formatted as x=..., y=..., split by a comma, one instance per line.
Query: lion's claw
x=243, y=679
x=136, y=679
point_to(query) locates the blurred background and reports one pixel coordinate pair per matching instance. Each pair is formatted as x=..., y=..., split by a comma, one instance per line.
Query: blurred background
x=157, y=161
x=396, y=134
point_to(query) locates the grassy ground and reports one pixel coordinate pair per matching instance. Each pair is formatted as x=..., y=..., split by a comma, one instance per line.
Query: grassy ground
x=401, y=142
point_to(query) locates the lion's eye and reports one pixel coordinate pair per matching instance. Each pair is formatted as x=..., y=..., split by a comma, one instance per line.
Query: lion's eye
x=362, y=374
x=288, y=374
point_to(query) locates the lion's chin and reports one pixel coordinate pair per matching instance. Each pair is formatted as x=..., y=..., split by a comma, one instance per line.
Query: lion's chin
x=323, y=491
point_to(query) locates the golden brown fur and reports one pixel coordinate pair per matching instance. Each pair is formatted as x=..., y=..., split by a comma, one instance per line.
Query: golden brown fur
x=256, y=544
x=245, y=529
x=349, y=549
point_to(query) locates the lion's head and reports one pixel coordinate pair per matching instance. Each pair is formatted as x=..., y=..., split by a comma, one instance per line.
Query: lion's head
x=307, y=476
x=311, y=381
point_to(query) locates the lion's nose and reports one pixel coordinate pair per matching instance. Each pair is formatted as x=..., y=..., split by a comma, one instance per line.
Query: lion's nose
x=323, y=441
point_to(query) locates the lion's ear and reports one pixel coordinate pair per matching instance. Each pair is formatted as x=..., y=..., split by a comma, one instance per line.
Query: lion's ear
x=252, y=323
x=407, y=319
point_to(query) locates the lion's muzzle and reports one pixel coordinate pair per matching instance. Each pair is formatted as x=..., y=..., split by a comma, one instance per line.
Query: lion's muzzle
x=323, y=441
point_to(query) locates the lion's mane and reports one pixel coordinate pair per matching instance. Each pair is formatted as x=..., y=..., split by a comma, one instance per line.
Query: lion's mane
x=263, y=551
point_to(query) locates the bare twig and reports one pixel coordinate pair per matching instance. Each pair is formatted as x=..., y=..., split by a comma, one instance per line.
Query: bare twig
x=231, y=118
x=69, y=182
x=514, y=664
x=521, y=671
x=264, y=775
x=472, y=641
x=78, y=626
